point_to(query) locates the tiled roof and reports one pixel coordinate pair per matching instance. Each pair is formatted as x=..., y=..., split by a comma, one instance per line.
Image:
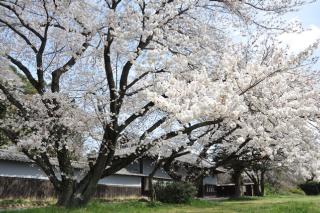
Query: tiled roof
x=13, y=156
x=9, y=155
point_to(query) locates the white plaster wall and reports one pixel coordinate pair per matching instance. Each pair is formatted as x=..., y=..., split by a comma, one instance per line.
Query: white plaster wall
x=29, y=170
x=210, y=180
x=119, y=180
x=23, y=170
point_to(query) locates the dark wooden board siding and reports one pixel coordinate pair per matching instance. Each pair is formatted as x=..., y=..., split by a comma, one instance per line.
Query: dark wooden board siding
x=13, y=187
x=117, y=191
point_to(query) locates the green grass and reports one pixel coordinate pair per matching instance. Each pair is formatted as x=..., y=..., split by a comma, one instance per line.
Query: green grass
x=280, y=204
x=24, y=203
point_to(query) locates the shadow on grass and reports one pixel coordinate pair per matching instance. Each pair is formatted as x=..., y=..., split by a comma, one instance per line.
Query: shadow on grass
x=244, y=198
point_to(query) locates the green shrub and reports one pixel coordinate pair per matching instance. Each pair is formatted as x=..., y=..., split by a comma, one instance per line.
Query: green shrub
x=282, y=191
x=296, y=191
x=274, y=191
x=175, y=192
x=311, y=188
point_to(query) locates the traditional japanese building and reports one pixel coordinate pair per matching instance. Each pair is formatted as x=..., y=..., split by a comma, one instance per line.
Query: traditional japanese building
x=20, y=177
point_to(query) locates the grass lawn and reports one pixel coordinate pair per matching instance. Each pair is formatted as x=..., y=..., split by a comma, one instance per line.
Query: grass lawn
x=290, y=204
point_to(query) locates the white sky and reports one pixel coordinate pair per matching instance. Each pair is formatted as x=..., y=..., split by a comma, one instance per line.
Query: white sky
x=309, y=16
x=299, y=41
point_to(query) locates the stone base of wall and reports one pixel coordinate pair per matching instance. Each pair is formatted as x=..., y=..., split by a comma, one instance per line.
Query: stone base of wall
x=13, y=187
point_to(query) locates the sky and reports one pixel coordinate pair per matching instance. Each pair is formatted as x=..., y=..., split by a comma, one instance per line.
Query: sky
x=309, y=16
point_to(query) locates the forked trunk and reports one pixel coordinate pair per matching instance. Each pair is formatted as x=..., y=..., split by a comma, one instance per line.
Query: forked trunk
x=65, y=194
x=70, y=197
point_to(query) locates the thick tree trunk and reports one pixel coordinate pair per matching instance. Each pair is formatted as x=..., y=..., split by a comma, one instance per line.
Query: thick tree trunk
x=152, y=192
x=262, y=182
x=72, y=194
x=67, y=200
x=199, y=184
x=256, y=189
x=69, y=195
x=73, y=201
x=65, y=193
x=238, y=192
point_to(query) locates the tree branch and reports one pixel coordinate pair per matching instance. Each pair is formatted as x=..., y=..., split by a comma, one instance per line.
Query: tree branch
x=43, y=161
x=206, y=147
x=142, y=76
x=110, y=77
x=136, y=115
x=23, y=23
x=144, y=147
x=126, y=70
x=20, y=34
x=25, y=70
x=12, y=99
x=56, y=74
x=39, y=55
x=152, y=128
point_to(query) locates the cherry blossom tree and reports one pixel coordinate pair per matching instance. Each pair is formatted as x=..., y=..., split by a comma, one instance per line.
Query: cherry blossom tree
x=277, y=127
x=21, y=83
x=272, y=85
x=105, y=69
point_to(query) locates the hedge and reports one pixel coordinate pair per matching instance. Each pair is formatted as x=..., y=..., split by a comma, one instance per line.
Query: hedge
x=311, y=188
x=175, y=192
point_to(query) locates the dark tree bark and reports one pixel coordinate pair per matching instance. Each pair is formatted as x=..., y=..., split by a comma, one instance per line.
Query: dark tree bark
x=258, y=179
x=237, y=179
x=65, y=194
x=199, y=184
x=256, y=189
x=262, y=182
x=152, y=193
x=255, y=178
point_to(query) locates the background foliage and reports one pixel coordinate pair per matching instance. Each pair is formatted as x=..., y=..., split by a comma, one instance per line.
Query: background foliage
x=175, y=192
